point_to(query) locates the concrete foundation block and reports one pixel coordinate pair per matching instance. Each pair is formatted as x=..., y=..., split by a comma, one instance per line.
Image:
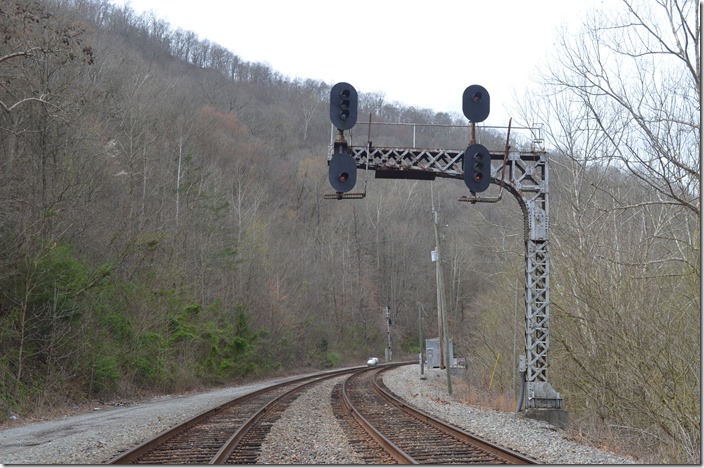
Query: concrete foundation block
x=556, y=417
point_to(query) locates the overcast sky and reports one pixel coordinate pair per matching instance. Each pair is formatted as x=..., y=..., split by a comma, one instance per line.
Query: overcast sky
x=419, y=53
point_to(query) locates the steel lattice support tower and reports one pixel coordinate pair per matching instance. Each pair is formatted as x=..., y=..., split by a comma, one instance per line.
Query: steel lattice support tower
x=525, y=176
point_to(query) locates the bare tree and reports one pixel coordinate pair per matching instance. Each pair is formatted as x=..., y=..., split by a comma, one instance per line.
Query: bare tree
x=635, y=80
x=622, y=116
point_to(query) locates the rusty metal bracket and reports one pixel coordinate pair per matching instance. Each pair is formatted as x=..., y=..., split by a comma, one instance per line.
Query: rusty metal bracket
x=346, y=196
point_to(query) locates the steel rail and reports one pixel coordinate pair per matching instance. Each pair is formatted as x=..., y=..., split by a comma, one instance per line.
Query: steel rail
x=392, y=449
x=509, y=455
x=140, y=450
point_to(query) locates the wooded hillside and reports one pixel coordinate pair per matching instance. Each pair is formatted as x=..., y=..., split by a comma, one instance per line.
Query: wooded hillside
x=162, y=224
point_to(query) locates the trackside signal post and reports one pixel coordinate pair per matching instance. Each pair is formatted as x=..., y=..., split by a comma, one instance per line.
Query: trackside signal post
x=524, y=174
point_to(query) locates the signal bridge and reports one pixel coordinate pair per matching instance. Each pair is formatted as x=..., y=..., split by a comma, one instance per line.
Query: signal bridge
x=524, y=174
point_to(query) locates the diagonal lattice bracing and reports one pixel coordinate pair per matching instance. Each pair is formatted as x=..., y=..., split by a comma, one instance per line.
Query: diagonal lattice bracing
x=537, y=316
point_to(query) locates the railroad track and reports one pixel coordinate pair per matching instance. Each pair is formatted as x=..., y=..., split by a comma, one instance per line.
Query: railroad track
x=230, y=433
x=411, y=436
x=388, y=431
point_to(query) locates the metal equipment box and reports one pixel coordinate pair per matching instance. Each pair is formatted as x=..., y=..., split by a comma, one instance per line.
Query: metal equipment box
x=432, y=352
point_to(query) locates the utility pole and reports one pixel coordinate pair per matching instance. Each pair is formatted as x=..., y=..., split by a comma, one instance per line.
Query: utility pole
x=420, y=338
x=438, y=275
x=388, y=334
x=445, y=358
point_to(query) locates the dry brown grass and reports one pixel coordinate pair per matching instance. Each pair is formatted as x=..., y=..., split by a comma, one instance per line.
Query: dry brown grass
x=487, y=399
x=639, y=445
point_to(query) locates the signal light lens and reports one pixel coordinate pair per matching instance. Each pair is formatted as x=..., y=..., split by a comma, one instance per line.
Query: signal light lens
x=344, y=104
x=343, y=177
x=478, y=166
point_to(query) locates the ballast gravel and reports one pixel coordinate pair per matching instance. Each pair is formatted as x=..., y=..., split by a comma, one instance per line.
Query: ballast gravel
x=538, y=439
x=306, y=433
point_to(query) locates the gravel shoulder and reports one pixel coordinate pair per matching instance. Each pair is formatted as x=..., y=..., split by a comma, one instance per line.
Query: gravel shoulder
x=98, y=436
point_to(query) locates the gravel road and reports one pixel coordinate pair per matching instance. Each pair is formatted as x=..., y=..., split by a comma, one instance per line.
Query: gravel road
x=99, y=435
x=307, y=432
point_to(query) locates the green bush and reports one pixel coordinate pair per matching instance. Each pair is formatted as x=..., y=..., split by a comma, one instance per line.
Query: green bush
x=106, y=374
x=118, y=325
x=332, y=359
x=147, y=370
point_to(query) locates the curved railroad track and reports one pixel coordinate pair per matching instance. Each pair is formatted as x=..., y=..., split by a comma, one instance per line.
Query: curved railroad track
x=411, y=436
x=386, y=430
x=230, y=433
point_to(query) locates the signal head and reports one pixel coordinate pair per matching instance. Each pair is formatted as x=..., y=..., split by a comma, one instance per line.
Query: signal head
x=477, y=168
x=476, y=103
x=342, y=172
x=343, y=106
